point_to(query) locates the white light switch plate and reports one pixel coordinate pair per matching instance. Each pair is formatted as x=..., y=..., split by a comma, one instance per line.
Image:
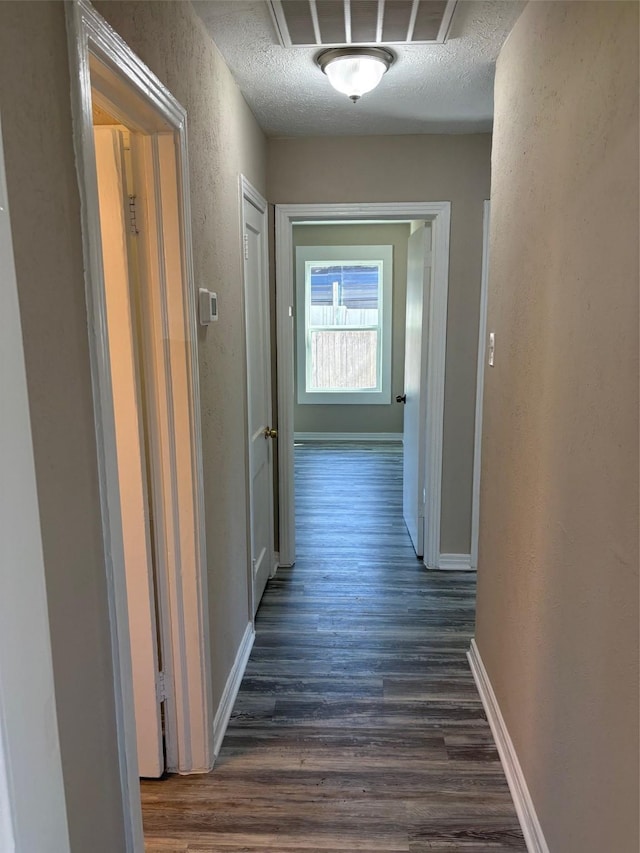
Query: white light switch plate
x=208, y=305
x=492, y=347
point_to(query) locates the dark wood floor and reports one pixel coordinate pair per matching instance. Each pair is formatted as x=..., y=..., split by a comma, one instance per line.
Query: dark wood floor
x=358, y=726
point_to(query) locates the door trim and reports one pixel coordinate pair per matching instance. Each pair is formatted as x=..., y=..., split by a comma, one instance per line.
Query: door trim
x=482, y=342
x=286, y=215
x=89, y=35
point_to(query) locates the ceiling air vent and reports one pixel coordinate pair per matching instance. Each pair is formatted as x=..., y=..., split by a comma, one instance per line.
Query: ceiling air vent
x=311, y=23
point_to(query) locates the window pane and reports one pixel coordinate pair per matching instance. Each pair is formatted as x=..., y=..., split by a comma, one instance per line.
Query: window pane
x=343, y=360
x=344, y=294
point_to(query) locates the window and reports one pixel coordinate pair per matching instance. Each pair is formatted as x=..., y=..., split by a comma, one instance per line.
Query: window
x=344, y=324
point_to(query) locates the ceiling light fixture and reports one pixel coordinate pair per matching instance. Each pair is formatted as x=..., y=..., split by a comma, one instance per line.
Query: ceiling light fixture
x=354, y=71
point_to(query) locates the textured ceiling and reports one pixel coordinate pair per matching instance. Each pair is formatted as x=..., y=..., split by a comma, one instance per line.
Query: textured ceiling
x=446, y=88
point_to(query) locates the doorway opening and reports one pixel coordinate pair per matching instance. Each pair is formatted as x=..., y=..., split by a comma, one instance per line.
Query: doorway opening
x=129, y=135
x=360, y=300
x=426, y=233
x=132, y=379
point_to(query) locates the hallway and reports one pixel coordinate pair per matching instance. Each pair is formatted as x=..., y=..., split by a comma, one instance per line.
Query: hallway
x=358, y=725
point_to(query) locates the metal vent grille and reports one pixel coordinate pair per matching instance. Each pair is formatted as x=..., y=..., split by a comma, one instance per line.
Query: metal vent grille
x=311, y=23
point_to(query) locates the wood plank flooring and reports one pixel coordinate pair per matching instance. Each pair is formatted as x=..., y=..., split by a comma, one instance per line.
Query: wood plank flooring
x=358, y=726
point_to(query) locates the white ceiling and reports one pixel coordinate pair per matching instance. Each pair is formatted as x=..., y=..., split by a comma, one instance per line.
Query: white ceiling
x=446, y=88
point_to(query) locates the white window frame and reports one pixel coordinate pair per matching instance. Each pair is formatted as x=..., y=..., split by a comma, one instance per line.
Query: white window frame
x=347, y=254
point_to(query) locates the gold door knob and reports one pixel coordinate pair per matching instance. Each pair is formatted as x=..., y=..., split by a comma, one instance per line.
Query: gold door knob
x=269, y=432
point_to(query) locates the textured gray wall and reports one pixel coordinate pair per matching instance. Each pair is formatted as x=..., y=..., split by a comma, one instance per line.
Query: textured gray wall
x=45, y=219
x=414, y=168
x=557, y=617
x=224, y=140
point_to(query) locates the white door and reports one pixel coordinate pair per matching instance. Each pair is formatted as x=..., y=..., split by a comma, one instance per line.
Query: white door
x=261, y=434
x=415, y=373
x=130, y=443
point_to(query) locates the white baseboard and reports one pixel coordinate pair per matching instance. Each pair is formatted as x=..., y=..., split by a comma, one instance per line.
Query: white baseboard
x=525, y=809
x=276, y=565
x=348, y=436
x=231, y=688
x=455, y=562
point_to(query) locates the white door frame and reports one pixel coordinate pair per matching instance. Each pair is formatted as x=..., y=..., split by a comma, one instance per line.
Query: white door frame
x=438, y=214
x=90, y=38
x=33, y=813
x=482, y=349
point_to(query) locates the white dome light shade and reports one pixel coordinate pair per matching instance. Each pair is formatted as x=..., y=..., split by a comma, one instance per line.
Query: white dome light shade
x=355, y=71
x=355, y=76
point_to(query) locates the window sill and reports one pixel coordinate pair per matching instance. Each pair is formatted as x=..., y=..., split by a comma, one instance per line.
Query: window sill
x=346, y=398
